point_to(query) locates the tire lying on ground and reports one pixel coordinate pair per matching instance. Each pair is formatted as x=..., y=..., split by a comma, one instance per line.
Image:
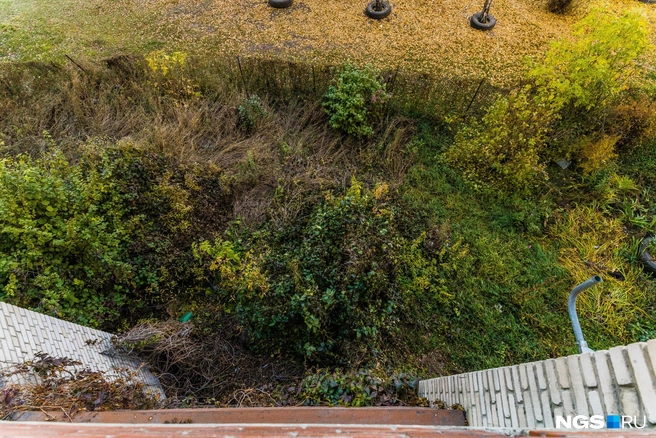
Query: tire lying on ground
x=378, y=15
x=280, y=3
x=646, y=258
x=476, y=23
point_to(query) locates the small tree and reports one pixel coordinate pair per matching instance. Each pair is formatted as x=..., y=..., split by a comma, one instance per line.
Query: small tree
x=583, y=78
x=592, y=69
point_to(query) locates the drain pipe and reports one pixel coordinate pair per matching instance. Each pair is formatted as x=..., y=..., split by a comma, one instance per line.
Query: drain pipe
x=571, y=308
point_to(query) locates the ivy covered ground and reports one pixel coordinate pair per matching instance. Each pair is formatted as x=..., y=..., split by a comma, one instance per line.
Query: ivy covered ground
x=336, y=230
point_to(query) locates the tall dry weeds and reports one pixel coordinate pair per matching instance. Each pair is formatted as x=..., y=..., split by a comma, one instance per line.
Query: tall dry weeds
x=289, y=146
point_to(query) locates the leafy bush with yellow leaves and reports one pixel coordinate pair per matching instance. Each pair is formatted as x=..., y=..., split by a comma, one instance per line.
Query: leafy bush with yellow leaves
x=592, y=69
x=584, y=77
x=576, y=85
x=169, y=74
x=503, y=150
x=595, y=154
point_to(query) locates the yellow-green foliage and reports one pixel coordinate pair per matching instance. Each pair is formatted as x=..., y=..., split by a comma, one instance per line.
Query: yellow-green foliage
x=591, y=69
x=61, y=230
x=84, y=240
x=584, y=77
x=162, y=62
x=594, y=244
x=503, y=149
x=595, y=154
x=616, y=188
x=577, y=80
x=169, y=73
x=237, y=272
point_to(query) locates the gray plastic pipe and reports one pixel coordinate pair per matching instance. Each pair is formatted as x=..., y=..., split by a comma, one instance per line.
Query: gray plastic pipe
x=571, y=308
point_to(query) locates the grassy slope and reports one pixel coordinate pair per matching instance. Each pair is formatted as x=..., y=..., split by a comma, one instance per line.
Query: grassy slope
x=509, y=282
x=512, y=280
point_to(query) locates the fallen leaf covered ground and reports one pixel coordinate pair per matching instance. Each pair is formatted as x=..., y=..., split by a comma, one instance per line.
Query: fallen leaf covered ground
x=420, y=35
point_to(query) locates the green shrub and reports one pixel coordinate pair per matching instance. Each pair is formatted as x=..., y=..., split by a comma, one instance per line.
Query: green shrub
x=250, y=111
x=338, y=281
x=359, y=388
x=354, y=101
x=62, y=231
x=583, y=78
x=104, y=241
x=503, y=150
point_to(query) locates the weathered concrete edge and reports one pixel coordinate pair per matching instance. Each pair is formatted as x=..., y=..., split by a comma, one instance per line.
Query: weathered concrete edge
x=24, y=333
x=40, y=429
x=282, y=415
x=621, y=380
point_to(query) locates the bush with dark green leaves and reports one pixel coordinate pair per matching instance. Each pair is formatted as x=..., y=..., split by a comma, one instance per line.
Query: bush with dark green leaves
x=341, y=280
x=355, y=100
x=359, y=388
x=251, y=110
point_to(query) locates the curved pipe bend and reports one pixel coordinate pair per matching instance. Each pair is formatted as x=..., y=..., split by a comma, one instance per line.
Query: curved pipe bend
x=571, y=308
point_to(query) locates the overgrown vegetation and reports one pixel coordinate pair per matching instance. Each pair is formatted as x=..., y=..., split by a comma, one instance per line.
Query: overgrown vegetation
x=437, y=236
x=566, y=113
x=63, y=232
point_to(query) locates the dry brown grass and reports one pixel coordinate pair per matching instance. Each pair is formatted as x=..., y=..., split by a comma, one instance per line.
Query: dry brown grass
x=290, y=147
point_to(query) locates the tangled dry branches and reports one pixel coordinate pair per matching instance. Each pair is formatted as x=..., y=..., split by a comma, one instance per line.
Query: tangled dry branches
x=49, y=383
x=201, y=365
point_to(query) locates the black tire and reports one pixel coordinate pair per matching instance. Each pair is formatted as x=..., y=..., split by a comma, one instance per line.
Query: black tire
x=378, y=15
x=280, y=3
x=646, y=258
x=476, y=23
